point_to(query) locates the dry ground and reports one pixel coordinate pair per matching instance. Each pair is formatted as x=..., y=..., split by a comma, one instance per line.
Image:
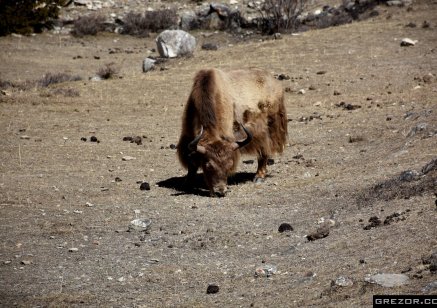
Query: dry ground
x=335, y=160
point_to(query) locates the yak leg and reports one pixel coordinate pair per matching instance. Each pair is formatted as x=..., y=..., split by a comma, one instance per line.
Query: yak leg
x=262, y=169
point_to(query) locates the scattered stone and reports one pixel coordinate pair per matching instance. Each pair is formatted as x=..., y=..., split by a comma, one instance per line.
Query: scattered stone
x=347, y=106
x=174, y=43
x=428, y=78
x=431, y=261
x=411, y=25
x=83, y=139
x=426, y=24
x=408, y=176
x=173, y=146
x=285, y=227
x=266, y=270
x=212, y=289
x=5, y=92
x=344, y=281
x=277, y=36
x=321, y=232
x=388, y=280
x=117, y=179
x=430, y=287
x=89, y=204
x=145, y=186
x=408, y=42
x=321, y=73
x=148, y=64
x=94, y=139
x=374, y=222
x=26, y=262
x=301, y=91
x=25, y=137
x=282, y=77
x=73, y=249
x=209, y=46
x=139, y=225
x=127, y=158
x=336, y=92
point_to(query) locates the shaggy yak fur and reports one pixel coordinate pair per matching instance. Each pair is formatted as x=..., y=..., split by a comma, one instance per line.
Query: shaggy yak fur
x=224, y=108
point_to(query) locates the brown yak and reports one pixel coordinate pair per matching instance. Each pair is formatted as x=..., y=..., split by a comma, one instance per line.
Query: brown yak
x=228, y=113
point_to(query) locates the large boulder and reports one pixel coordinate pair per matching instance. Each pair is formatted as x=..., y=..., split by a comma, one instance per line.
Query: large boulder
x=175, y=43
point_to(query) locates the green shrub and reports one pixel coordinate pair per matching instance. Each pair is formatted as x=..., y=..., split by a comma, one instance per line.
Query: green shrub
x=27, y=16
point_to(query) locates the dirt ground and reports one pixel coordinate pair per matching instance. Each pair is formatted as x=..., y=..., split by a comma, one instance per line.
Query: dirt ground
x=359, y=139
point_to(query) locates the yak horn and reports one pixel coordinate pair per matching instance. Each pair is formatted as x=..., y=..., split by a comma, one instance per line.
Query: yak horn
x=193, y=145
x=242, y=143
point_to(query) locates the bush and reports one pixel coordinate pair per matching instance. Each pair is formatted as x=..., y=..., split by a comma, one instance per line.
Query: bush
x=280, y=15
x=108, y=71
x=141, y=24
x=26, y=16
x=50, y=78
x=88, y=25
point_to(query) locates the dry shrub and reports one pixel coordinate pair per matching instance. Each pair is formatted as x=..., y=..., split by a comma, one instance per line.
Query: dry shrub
x=108, y=71
x=68, y=92
x=51, y=78
x=280, y=15
x=141, y=24
x=88, y=25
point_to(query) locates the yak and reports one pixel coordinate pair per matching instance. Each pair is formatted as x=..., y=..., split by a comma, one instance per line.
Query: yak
x=229, y=113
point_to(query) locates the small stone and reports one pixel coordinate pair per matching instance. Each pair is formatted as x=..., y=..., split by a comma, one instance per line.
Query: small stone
x=140, y=225
x=301, y=91
x=26, y=262
x=388, y=280
x=344, y=281
x=321, y=72
x=94, y=139
x=73, y=249
x=83, y=139
x=145, y=186
x=25, y=137
x=321, y=232
x=430, y=287
x=148, y=64
x=408, y=42
x=209, y=46
x=285, y=227
x=212, y=289
x=117, y=179
x=266, y=270
x=127, y=158
x=336, y=92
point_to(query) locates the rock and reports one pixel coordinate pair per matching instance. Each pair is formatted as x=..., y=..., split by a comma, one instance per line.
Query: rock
x=148, y=65
x=408, y=42
x=344, y=281
x=127, y=158
x=388, y=280
x=139, y=225
x=145, y=186
x=73, y=249
x=431, y=261
x=266, y=270
x=26, y=262
x=430, y=287
x=321, y=232
x=277, y=36
x=212, y=289
x=428, y=78
x=94, y=139
x=209, y=46
x=175, y=43
x=374, y=222
x=285, y=227
x=189, y=21
x=301, y=91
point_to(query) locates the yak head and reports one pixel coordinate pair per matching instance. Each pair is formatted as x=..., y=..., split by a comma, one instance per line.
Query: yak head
x=218, y=159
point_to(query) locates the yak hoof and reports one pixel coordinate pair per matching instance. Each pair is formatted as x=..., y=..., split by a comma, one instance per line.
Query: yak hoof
x=258, y=180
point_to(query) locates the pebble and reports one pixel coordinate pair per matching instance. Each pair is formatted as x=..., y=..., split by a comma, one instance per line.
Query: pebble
x=140, y=224
x=26, y=262
x=408, y=42
x=285, y=227
x=145, y=186
x=388, y=280
x=344, y=281
x=73, y=249
x=127, y=158
x=266, y=270
x=430, y=287
x=212, y=289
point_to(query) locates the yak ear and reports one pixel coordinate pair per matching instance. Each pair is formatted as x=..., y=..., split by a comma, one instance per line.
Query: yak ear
x=239, y=144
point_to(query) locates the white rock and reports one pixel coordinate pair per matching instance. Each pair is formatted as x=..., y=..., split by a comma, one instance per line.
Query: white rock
x=127, y=158
x=408, y=42
x=174, y=43
x=388, y=280
x=148, y=65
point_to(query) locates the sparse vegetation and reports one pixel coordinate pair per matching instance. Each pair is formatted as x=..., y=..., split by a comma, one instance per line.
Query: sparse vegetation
x=141, y=24
x=280, y=15
x=108, y=71
x=88, y=25
x=51, y=78
x=26, y=16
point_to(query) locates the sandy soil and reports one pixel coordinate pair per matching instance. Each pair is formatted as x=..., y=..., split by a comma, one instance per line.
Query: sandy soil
x=359, y=138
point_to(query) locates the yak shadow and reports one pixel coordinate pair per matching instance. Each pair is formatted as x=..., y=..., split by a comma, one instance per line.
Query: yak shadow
x=198, y=186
